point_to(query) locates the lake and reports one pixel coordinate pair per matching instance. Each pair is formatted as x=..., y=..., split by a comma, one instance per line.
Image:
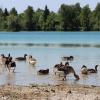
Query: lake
x=48, y=48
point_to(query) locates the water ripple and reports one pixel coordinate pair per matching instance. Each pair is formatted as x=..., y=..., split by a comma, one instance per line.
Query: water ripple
x=51, y=45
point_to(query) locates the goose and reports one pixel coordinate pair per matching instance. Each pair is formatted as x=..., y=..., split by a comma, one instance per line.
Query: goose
x=58, y=65
x=21, y=58
x=3, y=58
x=84, y=70
x=67, y=64
x=43, y=71
x=65, y=58
x=31, y=60
x=10, y=64
x=67, y=70
x=93, y=70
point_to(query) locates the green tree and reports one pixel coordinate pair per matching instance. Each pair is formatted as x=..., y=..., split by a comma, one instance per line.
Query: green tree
x=29, y=20
x=6, y=13
x=63, y=15
x=13, y=23
x=51, y=22
x=41, y=23
x=46, y=13
x=68, y=17
x=77, y=23
x=96, y=17
x=2, y=21
x=22, y=21
x=85, y=18
x=13, y=11
x=37, y=19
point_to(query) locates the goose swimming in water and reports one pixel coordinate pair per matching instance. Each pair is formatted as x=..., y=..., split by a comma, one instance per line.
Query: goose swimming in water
x=21, y=58
x=31, y=60
x=85, y=70
x=43, y=71
x=93, y=70
x=58, y=65
x=65, y=58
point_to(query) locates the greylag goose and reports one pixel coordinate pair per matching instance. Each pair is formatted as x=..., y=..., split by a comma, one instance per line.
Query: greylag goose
x=31, y=60
x=84, y=70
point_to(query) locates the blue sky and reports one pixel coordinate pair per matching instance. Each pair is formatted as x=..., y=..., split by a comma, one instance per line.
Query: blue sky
x=53, y=5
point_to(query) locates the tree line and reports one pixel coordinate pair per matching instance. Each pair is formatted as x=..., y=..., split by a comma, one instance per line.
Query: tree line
x=68, y=18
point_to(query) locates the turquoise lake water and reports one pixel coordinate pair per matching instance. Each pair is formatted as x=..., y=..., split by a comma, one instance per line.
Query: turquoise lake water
x=48, y=48
x=50, y=37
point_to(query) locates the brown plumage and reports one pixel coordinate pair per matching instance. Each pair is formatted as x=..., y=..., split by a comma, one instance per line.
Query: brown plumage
x=85, y=70
x=93, y=70
x=10, y=64
x=65, y=58
x=43, y=71
x=69, y=69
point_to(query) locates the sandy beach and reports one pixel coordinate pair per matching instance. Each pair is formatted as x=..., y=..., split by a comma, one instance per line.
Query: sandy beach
x=49, y=92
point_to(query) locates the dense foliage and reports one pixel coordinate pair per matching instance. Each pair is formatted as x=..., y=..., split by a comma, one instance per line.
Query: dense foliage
x=68, y=18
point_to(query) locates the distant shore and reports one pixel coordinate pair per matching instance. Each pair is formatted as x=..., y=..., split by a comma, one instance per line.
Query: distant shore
x=49, y=92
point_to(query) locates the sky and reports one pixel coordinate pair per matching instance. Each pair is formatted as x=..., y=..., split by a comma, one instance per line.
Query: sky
x=53, y=5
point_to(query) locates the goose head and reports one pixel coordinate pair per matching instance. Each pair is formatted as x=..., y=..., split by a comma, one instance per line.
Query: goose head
x=25, y=55
x=67, y=64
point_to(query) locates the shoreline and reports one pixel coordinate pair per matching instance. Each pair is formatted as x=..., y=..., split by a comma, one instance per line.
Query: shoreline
x=49, y=92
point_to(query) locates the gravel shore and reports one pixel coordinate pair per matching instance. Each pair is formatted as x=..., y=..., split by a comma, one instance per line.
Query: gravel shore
x=49, y=92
